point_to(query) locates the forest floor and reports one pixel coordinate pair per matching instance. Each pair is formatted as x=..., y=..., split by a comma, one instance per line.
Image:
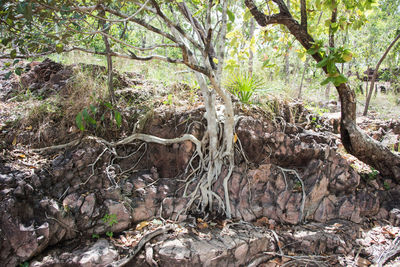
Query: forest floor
x=298, y=199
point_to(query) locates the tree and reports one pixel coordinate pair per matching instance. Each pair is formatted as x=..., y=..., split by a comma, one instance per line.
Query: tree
x=353, y=138
x=375, y=75
x=196, y=41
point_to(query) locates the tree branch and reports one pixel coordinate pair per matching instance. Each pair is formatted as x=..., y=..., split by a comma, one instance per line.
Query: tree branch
x=263, y=19
x=303, y=7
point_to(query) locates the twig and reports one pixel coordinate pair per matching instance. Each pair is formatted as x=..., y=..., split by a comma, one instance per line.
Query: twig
x=127, y=261
x=393, y=250
x=278, y=243
x=257, y=261
x=61, y=223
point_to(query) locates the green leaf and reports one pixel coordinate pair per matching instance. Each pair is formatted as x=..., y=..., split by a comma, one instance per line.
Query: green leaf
x=108, y=105
x=118, y=118
x=339, y=80
x=13, y=53
x=5, y=41
x=18, y=71
x=88, y=118
x=326, y=81
x=247, y=15
x=7, y=75
x=347, y=56
x=231, y=15
x=331, y=67
x=79, y=122
x=323, y=62
x=312, y=50
x=59, y=48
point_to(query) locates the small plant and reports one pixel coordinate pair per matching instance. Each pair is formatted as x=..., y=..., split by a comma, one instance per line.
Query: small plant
x=86, y=117
x=169, y=100
x=24, y=264
x=95, y=236
x=386, y=185
x=109, y=234
x=243, y=86
x=372, y=175
x=110, y=219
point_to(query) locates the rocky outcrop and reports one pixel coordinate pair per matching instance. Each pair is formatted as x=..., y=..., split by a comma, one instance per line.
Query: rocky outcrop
x=294, y=176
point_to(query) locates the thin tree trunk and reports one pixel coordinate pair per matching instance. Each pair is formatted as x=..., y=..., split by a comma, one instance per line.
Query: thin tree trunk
x=251, y=56
x=302, y=78
x=327, y=92
x=376, y=74
x=220, y=44
x=109, y=61
x=286, y=60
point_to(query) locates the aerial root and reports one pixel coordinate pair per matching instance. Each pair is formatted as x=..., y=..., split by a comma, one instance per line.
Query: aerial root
x=205, y=172
x=303, y=200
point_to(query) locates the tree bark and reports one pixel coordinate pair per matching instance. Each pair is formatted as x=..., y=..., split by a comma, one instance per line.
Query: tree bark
x=376, y=74
x=353, y=138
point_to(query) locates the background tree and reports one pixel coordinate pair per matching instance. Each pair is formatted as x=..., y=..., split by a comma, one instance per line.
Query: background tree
x=353, y=138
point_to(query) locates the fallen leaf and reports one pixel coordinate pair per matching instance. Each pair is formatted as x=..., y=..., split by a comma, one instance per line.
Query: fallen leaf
x=235, y=138
x=363, y=262
x=14, y=142
x=142, y=225
x=386, y=231
x=21, y=156
x=262, y=221
x=28, y=128
x=201, y=224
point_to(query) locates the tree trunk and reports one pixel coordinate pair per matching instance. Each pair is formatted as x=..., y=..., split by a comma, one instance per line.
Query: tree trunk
x=109, y=61
x=302, y=78
x=327, y=92
x=376, y=74
x=251, y=56
x=353, y=138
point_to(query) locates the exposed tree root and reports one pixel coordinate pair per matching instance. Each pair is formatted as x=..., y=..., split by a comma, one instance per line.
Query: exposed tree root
x=391, y=252
x=303, y=200
x=205, y=174
x=145, y=239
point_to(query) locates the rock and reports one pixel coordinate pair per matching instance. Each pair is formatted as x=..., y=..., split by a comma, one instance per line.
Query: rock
x=122, y=215
x=88, y=205
x=99, y=253
x=215, y=248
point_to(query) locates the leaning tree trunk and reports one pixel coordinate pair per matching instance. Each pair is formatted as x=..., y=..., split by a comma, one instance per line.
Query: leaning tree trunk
x=353, y=138
x=375, y=75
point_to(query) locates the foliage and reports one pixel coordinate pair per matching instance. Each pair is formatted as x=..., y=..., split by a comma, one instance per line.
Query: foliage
x=331, y=56
x=110, y=219
x=386, y=185
x=373, y=174
x=86, y=117
x=243, y=86
x=109, y=234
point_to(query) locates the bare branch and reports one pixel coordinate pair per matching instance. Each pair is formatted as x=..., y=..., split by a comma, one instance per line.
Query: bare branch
x=175, y=26
x=303, y=5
